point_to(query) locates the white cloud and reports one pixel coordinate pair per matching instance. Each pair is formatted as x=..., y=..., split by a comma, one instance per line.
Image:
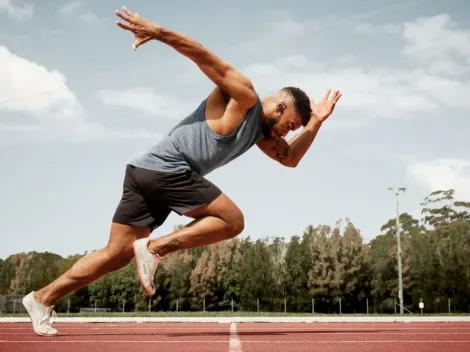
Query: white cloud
x=432, y=37
x=370, y=92
x=44, y=96
x=26, y=86
x=437, y=42
x=74, y=10
x=443, y=174
x=437, y=53
x=146, y=100
x=18, y=12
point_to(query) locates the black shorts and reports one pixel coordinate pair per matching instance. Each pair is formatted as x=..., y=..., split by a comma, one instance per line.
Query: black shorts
x=149, y=197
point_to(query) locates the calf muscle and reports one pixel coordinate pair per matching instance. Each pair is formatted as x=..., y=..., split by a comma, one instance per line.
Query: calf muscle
x=117, y=254
x=201, y=232
x=215, y=222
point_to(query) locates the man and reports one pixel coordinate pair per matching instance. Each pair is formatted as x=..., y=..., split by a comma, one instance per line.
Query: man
x=170, y=176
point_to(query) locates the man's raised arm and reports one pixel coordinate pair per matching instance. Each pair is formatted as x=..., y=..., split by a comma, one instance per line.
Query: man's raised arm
x=220, y=72
x=289, y=153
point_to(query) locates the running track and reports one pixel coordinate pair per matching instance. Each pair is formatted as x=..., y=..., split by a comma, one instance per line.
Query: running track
x=237, y=337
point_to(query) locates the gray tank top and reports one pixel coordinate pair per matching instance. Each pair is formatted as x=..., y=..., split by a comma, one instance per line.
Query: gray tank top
x=191, y=144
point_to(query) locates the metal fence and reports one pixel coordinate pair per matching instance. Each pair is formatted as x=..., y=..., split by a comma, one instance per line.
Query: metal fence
x=333, y=306
x=11, y=304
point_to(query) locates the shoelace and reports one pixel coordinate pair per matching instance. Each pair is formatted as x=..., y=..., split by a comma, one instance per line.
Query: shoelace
x=47, y=318
x=155, y=254
x=54, y=316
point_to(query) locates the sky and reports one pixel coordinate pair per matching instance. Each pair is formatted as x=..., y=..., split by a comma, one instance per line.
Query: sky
x=76, y=103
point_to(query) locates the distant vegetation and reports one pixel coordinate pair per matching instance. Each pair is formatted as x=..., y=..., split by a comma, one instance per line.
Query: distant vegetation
x=327, y=264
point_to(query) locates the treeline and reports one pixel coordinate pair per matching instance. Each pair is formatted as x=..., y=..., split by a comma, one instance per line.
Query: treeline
x=331, y=265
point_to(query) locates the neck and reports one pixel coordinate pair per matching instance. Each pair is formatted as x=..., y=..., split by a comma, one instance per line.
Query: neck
x=268, y=109
x=268, y=105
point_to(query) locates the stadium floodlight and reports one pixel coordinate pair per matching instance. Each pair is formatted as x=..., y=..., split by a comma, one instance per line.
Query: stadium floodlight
x=400, y=278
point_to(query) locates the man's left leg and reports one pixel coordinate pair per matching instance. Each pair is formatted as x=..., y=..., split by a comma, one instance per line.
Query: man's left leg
x=216, y=218
x=132, y=220
x=115, y=255
x=217, y=221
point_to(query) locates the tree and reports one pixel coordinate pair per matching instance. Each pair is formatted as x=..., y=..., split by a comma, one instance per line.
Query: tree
x=320, y=275
x=446, y=208
x=355, y=263
x=33, y=271
x=297, y=262
x=255, y=275
x=7, y=274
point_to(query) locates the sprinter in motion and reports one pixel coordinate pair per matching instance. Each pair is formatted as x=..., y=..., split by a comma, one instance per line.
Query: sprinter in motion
x=170, y=175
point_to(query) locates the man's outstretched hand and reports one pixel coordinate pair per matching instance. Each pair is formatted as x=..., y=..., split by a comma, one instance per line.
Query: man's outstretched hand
x=324, y=108
x=143, y=29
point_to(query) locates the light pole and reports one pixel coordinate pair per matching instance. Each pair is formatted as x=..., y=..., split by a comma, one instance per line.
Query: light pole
x=400, y=280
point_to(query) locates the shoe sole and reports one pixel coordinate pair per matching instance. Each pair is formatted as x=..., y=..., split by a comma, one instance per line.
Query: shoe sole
x=37, y=333
x=138, y=274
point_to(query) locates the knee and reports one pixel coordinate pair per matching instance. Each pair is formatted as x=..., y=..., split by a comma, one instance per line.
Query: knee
x=119, y=256
x=236, y=224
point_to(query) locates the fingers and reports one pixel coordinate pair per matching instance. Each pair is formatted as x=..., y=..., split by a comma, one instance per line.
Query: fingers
x=124, y=17
x=130, y=16
x=130, y=19
x=126, y=10
x=334, y=97
x=124, y=26
x=327, y=94
x=140, y=42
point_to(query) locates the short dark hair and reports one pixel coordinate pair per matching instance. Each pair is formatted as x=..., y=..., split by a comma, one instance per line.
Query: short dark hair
x=301, y=103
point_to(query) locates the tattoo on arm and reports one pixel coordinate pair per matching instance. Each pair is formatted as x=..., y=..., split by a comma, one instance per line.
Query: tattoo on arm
x=281, y=149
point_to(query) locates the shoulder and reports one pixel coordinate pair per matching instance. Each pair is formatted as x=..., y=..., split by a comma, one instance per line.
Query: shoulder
x=221, y=97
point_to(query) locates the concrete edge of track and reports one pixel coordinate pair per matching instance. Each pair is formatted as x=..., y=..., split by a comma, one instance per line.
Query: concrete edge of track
x=228, y=320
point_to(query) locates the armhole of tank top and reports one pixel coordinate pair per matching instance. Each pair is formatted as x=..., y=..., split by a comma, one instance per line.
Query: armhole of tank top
x=248, y=116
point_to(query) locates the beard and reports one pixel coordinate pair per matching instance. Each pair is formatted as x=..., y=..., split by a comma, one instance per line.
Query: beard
x=268, y=125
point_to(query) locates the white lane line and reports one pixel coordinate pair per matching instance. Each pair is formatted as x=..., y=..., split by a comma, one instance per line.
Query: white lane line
x=49, y=340
x=267, y=332
x=269, y=327
x=235, y=344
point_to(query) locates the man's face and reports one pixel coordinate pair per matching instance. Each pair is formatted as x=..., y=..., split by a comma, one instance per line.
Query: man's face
x=282, y=121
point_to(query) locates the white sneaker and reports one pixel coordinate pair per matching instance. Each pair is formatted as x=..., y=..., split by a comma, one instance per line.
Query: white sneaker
x=147, y=265
x=40, y=316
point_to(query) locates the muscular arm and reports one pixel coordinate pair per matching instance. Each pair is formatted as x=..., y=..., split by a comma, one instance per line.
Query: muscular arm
x=289, y=153
x=225, y=76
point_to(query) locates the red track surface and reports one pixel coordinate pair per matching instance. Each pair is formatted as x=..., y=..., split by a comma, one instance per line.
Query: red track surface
x=246, y=337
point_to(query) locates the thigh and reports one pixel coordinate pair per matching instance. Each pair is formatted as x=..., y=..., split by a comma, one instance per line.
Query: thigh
x=222, y=207
x=134, y=209
x=179, y=192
